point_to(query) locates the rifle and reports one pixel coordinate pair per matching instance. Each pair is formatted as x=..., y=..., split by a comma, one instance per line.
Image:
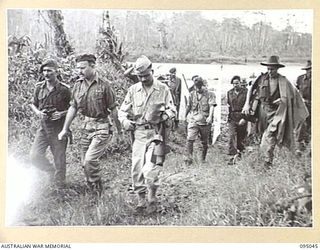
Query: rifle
x=185, y=82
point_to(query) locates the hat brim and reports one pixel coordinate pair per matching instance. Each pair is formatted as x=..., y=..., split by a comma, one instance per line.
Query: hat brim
x=141, y=73
x=305, y=68
x=273, y=64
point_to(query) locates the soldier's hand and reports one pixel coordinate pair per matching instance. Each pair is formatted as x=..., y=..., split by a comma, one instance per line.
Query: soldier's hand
x=62, y=135
x=209, y=120
x=277, y=101
x=242, y=122
x=57, y=115
x=128, y=125
x=164, y=117
x=246, y=109
x=42, y=115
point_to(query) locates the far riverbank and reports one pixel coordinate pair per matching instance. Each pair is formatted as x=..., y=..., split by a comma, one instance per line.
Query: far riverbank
x=241, y=60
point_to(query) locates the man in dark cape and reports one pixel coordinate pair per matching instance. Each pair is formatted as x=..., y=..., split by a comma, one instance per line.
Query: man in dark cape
x=278, y=107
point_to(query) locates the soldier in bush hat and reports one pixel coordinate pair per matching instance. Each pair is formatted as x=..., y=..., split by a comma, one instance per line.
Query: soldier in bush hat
x=304, y=86
x=94, y=98
x=146, y=111
x=199, y=115
x=280, y=109
x=50, y=103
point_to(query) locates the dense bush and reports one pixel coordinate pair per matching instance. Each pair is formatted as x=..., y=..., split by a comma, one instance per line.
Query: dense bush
x=23, y=74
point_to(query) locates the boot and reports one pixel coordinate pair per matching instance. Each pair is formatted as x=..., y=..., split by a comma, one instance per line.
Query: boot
x=96, y=187
x=204, y=153
x=141, y=203
x=176, y=124
x=152, y=200
x=267, y=165
x=189, y=153
x=231, y=160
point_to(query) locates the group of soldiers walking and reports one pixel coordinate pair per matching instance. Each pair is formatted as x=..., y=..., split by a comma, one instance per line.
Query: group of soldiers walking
x=279, y=111
x=150, y=109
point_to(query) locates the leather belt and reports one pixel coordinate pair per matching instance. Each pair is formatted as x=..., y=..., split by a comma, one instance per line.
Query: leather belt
x=93, y=119
x=144, y=126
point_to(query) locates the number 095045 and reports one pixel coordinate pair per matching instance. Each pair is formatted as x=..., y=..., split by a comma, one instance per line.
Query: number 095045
x=308, y=246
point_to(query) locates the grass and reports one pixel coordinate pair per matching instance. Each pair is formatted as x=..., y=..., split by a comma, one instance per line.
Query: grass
x=211, y=194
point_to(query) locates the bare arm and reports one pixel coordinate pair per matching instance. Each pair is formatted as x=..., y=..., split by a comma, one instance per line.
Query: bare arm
x=210, y=117
x=246, y=106
x=38, y=112
x=212, y=104
x=58, y=115
x=71, y=114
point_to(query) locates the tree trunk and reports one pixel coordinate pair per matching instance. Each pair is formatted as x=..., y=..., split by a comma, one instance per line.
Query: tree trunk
x=107, y=47
x=62, y=45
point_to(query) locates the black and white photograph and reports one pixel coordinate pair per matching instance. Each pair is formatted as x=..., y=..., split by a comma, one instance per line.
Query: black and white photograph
x=185, y=118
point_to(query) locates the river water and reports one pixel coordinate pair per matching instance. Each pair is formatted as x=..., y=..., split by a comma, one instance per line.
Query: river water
x=224, y=72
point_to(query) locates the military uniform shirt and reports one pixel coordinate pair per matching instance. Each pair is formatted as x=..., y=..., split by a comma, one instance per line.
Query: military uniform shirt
x=137, y=102
x=236, y=103
x=304, y=86
x=58, y=97
x=94, y=100
x=200, y=106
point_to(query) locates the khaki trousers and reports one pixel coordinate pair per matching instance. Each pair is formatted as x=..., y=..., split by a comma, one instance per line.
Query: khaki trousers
x=144, y=173
x=93, y=146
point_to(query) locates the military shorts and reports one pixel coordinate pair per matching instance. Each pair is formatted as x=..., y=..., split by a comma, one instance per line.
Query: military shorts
x=195, y=130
